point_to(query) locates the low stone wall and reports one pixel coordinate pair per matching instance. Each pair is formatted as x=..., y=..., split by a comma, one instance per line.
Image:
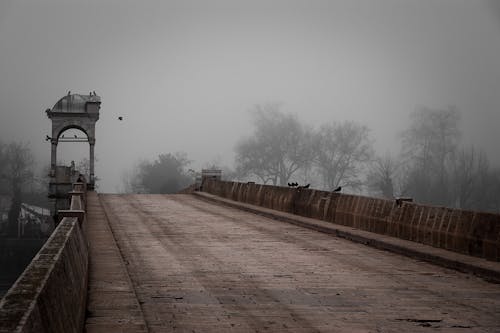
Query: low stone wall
x=51, y=293
x=467, y=232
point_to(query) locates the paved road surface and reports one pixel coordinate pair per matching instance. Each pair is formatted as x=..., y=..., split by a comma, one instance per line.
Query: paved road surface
x=199, y=267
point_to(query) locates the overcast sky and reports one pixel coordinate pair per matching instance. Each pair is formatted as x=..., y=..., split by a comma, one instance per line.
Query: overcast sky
x=184, y=74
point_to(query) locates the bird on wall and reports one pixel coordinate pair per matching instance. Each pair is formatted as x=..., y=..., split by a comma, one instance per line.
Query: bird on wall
x=338, y=189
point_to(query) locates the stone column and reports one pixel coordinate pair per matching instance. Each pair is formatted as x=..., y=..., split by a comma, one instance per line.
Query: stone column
x=53, y=158
x=91, y=162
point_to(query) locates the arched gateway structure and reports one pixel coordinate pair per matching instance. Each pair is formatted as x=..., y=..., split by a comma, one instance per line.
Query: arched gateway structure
x=74, y=111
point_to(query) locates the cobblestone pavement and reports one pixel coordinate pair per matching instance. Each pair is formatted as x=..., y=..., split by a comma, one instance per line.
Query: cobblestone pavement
x=199, y=267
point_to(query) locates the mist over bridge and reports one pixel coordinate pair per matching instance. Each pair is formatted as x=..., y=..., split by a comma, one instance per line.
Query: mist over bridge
x=246, y=257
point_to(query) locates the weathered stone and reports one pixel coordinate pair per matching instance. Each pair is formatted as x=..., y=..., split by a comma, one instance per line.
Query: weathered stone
x=473, y=233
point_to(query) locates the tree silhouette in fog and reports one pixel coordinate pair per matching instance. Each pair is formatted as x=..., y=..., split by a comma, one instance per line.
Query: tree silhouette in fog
x=16, y=171
x=342, y=150
x=166, y=174
x=278, y=148
x=428, y=148
x=383, y=176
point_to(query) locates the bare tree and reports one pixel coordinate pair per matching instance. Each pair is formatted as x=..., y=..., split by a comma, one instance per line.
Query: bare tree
x=477, y=184
x=18, y=172
x=464, y=176
x=485, y=186
x=279, y=147
x=428, y=148
x=382, y=176
x=342, y=152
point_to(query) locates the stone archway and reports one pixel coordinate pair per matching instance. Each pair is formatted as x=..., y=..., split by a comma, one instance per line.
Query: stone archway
x=74, y=111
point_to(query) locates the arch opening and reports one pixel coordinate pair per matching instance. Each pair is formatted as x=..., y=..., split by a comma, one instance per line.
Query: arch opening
x=73, y=150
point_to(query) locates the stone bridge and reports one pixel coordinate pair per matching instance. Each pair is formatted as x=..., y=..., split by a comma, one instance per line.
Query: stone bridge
x=241, y=257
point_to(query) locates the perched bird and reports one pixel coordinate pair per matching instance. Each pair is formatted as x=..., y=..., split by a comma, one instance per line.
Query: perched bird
x=76, y=137
x=120, y=118
x=290, y=185
x=94, y=93
x=69, y=92
x=307, y=186
x=338, y=189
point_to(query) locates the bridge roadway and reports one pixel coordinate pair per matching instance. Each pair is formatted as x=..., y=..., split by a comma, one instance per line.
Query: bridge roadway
x=181, y=264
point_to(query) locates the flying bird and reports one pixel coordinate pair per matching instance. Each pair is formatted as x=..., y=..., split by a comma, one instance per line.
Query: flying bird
x=338, y=189
x=120, y=118
x=76, y=137
x=47, y=138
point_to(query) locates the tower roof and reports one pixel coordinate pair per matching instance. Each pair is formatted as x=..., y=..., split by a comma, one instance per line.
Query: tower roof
x=75, y=103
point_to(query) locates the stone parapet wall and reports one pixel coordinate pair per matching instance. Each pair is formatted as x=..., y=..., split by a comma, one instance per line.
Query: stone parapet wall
x=51, y=293
x=467, y=232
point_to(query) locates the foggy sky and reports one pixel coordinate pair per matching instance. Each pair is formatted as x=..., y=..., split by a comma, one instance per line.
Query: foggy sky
x=184, y=74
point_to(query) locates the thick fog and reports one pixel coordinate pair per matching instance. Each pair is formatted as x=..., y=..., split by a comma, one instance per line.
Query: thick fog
x=184, y=74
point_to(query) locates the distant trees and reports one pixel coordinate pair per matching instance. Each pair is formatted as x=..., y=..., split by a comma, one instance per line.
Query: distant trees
x=166, y=174
x=278, y=148
x=434, y=169
x=428, y=149
x=341, y=151
x=475, y=184
x=281, y=146
x=382, y=177
x=16, y=171
x=432, y=166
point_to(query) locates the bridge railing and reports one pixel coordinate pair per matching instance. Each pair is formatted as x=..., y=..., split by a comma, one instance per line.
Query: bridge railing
x=468, y=232
x=50, y=295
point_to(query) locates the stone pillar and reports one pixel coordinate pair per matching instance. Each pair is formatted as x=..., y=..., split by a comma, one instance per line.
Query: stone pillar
x=91, y=162
x=53, y=158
